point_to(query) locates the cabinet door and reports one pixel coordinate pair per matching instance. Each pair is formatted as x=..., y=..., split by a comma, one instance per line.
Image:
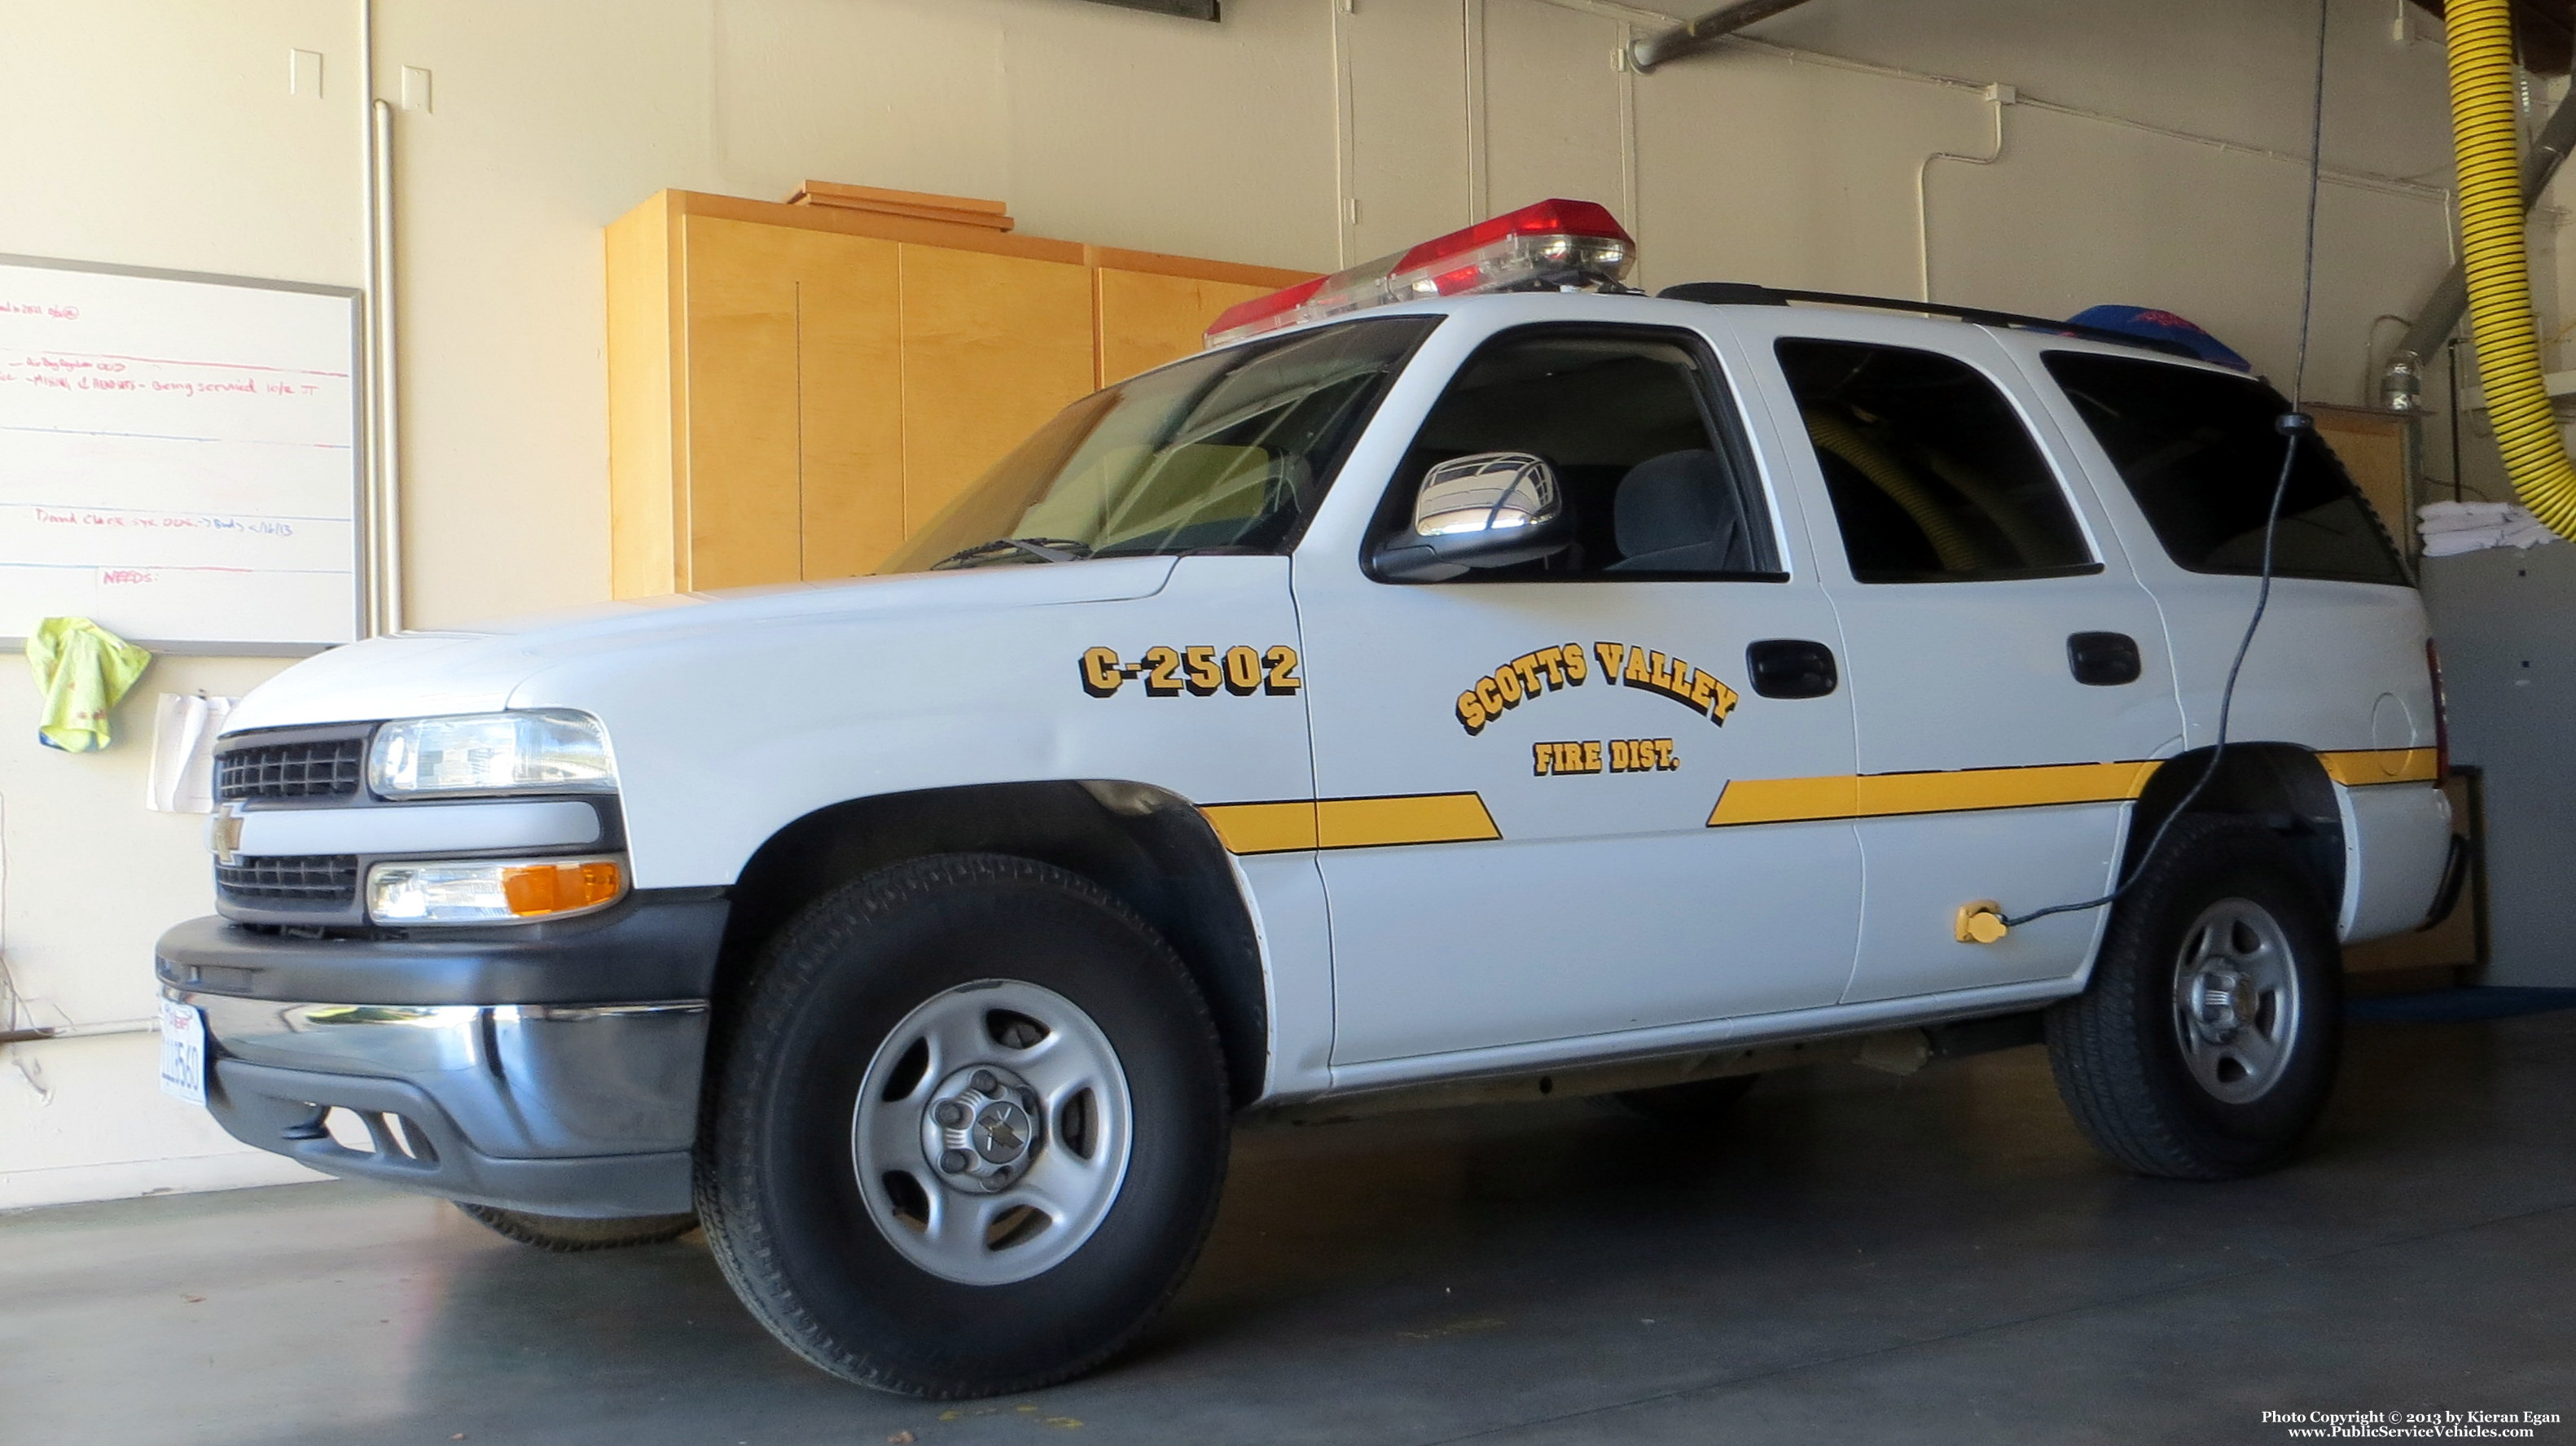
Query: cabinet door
x=992, y=347
x=849, y=405
x=793, y=430
x=1147, y=319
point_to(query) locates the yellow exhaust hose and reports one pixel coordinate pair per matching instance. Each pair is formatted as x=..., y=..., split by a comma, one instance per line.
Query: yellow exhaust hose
x=2485, y=129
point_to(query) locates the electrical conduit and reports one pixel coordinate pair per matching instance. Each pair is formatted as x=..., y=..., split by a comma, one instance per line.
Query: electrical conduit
x=2485, y=129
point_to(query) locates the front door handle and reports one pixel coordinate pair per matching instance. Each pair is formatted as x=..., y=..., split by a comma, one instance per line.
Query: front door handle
x=1791, y=668
x=2103, y=660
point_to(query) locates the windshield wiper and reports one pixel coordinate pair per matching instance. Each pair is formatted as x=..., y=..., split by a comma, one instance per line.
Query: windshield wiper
x=1044, y=549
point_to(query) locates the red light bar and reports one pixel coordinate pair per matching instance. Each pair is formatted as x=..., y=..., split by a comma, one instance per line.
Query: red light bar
x=1553, y=245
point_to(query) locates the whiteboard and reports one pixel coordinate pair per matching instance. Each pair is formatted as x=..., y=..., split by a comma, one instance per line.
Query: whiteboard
x=179, y=457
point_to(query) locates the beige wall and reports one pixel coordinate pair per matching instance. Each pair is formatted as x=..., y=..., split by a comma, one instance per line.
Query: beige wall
x=2152, y=162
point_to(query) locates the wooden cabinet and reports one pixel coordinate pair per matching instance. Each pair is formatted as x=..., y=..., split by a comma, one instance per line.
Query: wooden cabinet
x=2372, y=447
x=794, y=389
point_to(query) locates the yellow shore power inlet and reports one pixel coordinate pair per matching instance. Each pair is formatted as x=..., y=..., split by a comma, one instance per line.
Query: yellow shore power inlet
x=1980, y=922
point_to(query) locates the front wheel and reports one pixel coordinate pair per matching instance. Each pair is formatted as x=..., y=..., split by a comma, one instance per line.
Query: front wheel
x=2205, y=1045
x=969, y=1130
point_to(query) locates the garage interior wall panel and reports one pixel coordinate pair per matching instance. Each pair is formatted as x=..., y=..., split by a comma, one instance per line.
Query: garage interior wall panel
x=1553, y=106
x=1406, y=150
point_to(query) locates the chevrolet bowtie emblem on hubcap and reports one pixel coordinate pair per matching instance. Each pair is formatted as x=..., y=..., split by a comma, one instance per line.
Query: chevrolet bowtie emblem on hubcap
x=1001, y=1132
x=983, y=1129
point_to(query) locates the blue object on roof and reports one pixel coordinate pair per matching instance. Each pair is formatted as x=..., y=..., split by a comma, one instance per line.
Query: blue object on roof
x=2148, y=322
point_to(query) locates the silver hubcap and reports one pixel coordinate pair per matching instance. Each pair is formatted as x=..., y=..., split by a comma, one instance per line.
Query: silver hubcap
x=992, y=1132
x=2236, y=1000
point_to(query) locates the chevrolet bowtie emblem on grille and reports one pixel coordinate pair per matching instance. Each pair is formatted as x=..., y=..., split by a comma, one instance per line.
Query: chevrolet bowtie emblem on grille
x=224, y=831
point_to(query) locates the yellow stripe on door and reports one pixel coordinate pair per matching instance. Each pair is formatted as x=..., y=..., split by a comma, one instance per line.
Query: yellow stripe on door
x=1288, y=825
x=1263, y=828
x=1351, y=823
x=1878, y=795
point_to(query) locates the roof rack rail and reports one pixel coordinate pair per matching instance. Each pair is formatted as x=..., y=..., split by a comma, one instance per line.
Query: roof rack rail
x=1746, y=293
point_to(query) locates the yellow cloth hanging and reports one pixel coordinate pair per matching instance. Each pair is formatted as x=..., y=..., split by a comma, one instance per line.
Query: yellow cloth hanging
x=82, y=670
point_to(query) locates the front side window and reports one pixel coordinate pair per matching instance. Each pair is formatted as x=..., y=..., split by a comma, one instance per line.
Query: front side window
x=1934, y=477
x=2201, y=453
x=1625, y=417
x=1229, y=452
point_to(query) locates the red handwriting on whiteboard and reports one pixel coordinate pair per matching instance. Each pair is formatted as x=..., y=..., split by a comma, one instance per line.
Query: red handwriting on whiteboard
x=126, y=575
x=204, y=522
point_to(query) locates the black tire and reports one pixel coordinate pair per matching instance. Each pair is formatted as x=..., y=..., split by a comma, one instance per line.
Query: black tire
x=2120, y=1049
x=566, y=1235
x=781, y=1197
x=1697, y=1104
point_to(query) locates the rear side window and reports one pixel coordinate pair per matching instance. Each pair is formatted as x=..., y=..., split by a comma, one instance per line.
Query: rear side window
x=1934, y=478
x=2199, y=452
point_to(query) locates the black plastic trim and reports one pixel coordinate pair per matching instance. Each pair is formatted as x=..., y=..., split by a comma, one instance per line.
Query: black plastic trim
x=658, y=944
x=278, y=1109
x=1746, y=293
x=351, y=912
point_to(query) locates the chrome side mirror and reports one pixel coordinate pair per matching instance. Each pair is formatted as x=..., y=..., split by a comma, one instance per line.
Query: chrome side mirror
x=1486, y=509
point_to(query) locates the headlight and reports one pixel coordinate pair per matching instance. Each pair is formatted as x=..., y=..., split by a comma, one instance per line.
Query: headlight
x=491, y=753
x=491, y=891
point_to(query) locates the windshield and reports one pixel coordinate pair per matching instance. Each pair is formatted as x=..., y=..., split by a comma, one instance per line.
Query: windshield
x=1230, y=451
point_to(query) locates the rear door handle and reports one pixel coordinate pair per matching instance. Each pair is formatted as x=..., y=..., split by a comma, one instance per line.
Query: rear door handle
x=2103, y=660
x=1791, y=668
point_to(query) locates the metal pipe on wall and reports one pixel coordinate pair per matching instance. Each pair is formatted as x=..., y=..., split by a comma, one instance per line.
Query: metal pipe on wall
x=386, y=502
x=381, y=559
x=1707, y=30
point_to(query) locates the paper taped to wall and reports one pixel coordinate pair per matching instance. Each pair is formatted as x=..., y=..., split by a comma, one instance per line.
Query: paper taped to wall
x=184, y=728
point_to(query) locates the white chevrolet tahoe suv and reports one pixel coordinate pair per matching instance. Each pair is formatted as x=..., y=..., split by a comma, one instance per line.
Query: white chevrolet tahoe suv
x=1542, y=692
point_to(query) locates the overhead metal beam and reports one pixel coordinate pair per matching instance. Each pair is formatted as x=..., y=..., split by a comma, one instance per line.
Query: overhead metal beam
x=1186, y=9
x=1707, y=30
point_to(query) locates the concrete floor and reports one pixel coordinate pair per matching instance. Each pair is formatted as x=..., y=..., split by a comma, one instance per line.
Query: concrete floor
x=1857, y=1258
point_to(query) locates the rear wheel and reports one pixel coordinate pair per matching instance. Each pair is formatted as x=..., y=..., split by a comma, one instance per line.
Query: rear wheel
x=565, y=1234
x=969, y=1131
x=2205, y=1046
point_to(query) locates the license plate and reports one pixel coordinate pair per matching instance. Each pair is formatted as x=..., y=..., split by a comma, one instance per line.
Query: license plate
x=183, y=1052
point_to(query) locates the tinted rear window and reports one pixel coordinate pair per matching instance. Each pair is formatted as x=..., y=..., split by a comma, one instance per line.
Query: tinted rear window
x=1933, y=476
x=2199, y=452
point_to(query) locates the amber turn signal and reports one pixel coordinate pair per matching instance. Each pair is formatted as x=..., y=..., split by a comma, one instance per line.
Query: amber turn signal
x=534, y=889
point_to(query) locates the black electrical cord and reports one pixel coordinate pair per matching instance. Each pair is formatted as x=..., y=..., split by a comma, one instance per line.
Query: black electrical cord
x=2294, y=427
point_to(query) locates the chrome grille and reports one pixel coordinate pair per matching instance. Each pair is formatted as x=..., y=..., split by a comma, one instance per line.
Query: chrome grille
x=321, y=768
x=292, y=879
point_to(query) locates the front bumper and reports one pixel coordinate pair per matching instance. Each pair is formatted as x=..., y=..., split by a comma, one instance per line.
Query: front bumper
x=533, y=1097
